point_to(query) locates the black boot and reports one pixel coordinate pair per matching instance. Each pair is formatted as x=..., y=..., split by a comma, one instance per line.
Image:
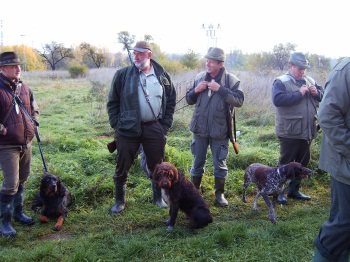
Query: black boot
x=219, y=191
x=157, y=196
x=119, y=198
x=197, y=180
x=281, y=199
x=293, y=191
x=6, y=202
x=18, y=213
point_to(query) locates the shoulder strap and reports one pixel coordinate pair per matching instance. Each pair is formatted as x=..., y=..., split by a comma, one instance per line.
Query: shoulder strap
x=17, y=100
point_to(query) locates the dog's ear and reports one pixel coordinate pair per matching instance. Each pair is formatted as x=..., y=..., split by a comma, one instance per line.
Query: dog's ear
x=42, y=187
x=60, y=188
x=177, y=174
x=291, y=171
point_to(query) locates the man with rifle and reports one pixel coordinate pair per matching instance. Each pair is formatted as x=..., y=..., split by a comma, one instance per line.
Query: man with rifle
x=215, y=93
x=140, y=106
x=18, y=120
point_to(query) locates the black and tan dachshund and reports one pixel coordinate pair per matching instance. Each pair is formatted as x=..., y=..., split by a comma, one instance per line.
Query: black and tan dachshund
x=53, y=199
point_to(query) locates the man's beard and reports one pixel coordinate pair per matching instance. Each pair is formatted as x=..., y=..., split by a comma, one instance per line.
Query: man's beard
x=141, y=65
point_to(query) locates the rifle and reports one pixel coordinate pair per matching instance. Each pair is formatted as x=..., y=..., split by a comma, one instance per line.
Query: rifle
x=231, y=117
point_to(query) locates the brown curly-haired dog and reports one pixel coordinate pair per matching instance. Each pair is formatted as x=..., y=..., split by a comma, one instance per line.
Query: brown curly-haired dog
x=182, y=195
x=54, y=198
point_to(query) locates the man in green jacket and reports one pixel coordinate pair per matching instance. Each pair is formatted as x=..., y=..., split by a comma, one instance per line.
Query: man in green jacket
x=333, y=241
x=214, y=92
x=140, y=106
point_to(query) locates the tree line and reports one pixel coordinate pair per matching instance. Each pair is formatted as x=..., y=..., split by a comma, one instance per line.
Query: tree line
x=55, y=56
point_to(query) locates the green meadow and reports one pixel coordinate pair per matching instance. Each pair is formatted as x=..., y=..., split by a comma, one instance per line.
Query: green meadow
x=74, y=131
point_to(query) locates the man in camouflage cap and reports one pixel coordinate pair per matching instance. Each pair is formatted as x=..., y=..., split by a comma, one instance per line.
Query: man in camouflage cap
x=214, y=93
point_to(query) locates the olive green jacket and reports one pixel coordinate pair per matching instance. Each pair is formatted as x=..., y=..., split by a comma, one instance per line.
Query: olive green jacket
x=334, y=119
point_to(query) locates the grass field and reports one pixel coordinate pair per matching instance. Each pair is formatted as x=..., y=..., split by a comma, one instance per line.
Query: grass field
x=74, y=131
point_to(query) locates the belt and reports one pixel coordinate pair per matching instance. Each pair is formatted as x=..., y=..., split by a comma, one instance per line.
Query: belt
x=149, y=122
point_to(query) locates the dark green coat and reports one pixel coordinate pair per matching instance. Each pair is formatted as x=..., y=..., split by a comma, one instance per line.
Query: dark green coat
x=123, y=107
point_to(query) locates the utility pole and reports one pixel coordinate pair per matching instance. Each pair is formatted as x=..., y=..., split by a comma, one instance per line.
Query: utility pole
x=2, y=38
x=211, y=34
x=24, y=55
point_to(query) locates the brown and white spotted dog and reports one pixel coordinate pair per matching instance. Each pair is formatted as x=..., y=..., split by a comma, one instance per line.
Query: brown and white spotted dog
x=271, y=181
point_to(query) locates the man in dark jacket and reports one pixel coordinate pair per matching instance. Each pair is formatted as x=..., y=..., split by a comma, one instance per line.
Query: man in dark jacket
x=296, y=98
x=16, y=134
x=140, y=106
x=214, y=92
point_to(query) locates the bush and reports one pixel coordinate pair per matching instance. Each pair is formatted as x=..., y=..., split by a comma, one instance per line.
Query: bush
x=78, y=71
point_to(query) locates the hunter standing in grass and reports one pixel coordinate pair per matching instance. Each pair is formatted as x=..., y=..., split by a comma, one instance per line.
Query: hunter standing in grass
x=214, y=92
x=333, y=241
x=296, y=98
x=140, y=106
x=16, y=133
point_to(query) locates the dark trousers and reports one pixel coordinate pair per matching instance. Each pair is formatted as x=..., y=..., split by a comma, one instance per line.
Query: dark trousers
x=294, y=150
x=153, y=143
x=334, y=235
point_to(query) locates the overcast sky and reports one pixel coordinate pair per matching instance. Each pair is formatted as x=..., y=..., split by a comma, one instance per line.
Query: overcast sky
x=176, y=26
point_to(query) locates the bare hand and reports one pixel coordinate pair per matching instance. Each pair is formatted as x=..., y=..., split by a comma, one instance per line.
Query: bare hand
x=201, y=86
x=213, y=86
x=303, y=89
x=313, y=90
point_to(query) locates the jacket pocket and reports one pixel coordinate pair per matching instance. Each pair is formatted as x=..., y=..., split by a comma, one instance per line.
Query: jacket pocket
x=293, y=125
x=127, y=121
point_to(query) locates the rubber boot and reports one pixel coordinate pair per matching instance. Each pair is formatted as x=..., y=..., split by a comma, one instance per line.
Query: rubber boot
x=293, y=191
x=281, y=199
x=119, y=198
x=6, y=202
x=18, y=213
x=157, y=196
x=219, y=191
x=197, y=180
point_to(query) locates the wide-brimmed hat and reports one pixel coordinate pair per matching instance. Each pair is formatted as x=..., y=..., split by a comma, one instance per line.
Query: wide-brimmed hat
x=216, y=53
x=142, y=46
x=298, y=59
x=9, y=58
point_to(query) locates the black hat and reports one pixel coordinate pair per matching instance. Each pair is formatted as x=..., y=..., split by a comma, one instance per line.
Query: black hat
x=9, y=58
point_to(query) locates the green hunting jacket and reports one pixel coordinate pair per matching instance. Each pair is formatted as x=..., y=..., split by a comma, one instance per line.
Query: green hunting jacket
x=123, y=107
x=210, y=115
x=334, y=119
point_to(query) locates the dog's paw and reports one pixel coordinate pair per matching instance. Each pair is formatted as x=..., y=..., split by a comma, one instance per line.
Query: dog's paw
x=44, y=219
x=56, y=228
x=273, y=219
x=169, y=228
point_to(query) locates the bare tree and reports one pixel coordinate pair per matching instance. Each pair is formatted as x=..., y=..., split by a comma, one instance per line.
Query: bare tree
x=148, y=38
x=97, y=56
x=127, y=40
x=54, y=53
x=282, y=53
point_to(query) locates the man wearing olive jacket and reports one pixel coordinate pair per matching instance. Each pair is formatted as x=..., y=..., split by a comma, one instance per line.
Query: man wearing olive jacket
x=296, y=98
x=16, y=133
x=214, y=92
x=140, y=106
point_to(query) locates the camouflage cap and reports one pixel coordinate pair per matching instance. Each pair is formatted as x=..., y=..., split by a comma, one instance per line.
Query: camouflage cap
x=298, y=59
x=142, y=46
x=216, y=53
